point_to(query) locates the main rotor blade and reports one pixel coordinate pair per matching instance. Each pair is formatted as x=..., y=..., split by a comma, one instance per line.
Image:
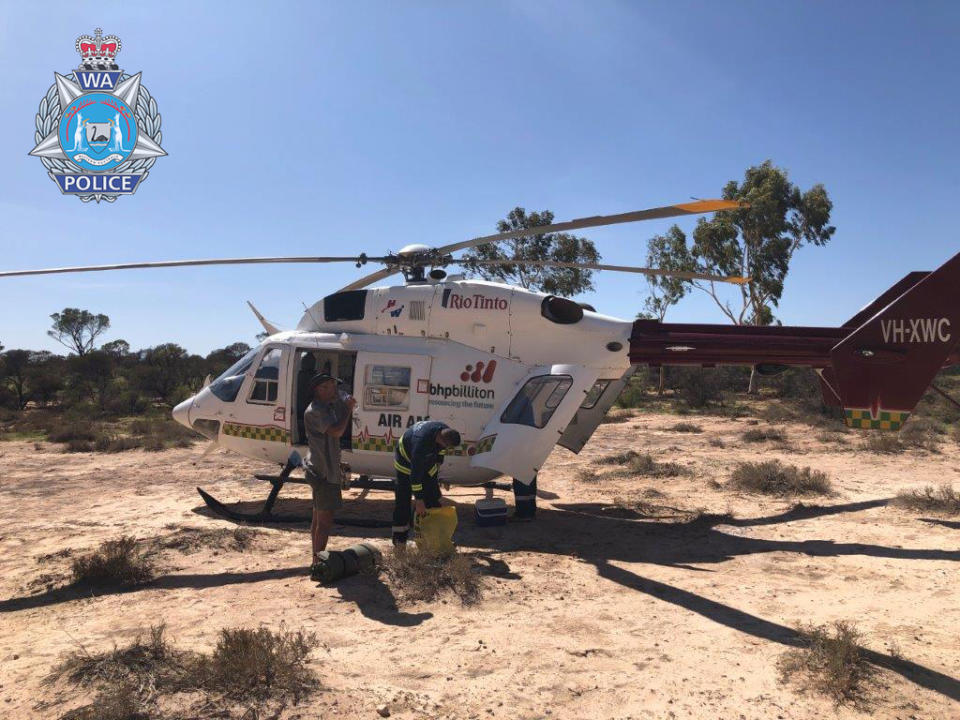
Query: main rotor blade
x=370, y=279
x=183, y=263
x=691, y=208
x=681, y=274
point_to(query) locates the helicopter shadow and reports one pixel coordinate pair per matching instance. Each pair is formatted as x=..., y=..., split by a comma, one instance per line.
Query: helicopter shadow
x=584, y=529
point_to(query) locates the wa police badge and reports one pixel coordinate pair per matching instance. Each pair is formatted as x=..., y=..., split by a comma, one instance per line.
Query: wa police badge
x=98, y=128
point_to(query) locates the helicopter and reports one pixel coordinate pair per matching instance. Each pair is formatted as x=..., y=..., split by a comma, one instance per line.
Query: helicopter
x=519, y=372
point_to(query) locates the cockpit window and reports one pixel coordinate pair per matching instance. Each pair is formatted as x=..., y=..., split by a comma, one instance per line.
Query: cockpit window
x=266, y=382
x=228, y=385
x=538, y=398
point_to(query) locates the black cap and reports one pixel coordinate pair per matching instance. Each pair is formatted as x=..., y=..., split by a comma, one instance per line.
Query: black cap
x=322, y=377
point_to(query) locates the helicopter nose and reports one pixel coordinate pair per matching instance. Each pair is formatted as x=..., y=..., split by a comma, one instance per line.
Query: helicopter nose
x=181, y=413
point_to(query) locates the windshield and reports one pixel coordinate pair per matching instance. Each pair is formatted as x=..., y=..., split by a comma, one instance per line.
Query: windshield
x=228, y=385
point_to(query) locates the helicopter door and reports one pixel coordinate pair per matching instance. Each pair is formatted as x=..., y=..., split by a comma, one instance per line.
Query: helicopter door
x=393, y=392
x=599, y=400
x=259, y=420
x=517, y=441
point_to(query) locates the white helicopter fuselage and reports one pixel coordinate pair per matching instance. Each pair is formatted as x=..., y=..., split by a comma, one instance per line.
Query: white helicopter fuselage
x=515, y=372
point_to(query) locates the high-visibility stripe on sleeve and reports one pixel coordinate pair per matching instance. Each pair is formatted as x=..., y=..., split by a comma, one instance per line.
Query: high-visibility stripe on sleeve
x=401, y=468
x=403, y=451
x=433, y=471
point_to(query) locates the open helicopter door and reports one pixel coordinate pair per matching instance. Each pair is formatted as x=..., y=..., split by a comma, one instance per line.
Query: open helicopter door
x=518, y=440
x=392, y=392
x=600, y=398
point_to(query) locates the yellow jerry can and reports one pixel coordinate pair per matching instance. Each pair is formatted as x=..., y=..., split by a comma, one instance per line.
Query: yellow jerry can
x=434, y=531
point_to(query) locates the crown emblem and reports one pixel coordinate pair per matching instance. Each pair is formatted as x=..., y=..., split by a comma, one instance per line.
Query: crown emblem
x=98, y=53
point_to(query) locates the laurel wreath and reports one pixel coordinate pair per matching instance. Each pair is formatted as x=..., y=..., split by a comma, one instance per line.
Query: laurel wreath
x=148, y=121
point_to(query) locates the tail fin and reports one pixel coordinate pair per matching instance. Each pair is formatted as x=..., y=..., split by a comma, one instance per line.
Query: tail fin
x=885, y=365
x=895, y=291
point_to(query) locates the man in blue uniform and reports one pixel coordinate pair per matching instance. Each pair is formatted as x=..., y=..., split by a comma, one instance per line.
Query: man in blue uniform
x=417, y=460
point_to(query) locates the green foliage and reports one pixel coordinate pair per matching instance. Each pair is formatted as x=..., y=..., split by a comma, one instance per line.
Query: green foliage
x=757, y=242
x=77, y=329
x=556, y=247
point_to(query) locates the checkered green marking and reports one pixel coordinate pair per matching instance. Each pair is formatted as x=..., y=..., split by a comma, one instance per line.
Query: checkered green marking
x=374, y=444
x=485, y=444
x=264, y=433
x=885, y=420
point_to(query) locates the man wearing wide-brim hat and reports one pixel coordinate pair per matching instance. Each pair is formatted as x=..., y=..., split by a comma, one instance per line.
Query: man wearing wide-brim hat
x=325, y=420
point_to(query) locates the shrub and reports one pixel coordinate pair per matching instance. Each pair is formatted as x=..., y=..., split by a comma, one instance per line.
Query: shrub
x=943, y=500
x=883, y=442
x=833, y=662
x=774, y=478
x=247, y=665
x=117, y=563
x=259, y=664
x=617, y=416
x=633, y=463
x=78, y=445
x=763, y=434
x=685, y=427
x=422, y=575
x=922, y=433
x=698, y=388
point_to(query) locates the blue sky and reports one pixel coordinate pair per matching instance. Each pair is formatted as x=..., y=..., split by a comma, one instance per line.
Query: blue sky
x=335, y=128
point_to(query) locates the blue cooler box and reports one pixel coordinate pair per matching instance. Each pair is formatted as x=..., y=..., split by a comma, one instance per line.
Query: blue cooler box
x=490, y=512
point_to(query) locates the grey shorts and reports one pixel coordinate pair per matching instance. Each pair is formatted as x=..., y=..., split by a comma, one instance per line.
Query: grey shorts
x=326, y=495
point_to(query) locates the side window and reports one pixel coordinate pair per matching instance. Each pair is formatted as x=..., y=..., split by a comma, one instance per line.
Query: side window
x=386, y=386
x=538, y=398
x=228, y=384
x=596, y=392
x=266, y=382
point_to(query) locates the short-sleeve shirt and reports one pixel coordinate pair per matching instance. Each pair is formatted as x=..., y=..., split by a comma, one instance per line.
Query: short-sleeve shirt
x=323, y=457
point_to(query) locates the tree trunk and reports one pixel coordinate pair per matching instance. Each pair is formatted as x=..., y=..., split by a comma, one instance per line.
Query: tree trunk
x=663, y=379
x=752, y=389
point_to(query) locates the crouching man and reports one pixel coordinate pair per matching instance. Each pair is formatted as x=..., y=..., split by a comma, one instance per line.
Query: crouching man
x=417, y=460
x=325, y=420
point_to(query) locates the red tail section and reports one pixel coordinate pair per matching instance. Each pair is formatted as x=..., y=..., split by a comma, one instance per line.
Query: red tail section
x=876, y=366
x=885, y=365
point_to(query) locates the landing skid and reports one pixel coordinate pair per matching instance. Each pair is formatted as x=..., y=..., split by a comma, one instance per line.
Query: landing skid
x=266, y=515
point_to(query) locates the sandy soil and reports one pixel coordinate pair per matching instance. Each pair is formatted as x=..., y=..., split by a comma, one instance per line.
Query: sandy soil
x=608, y=606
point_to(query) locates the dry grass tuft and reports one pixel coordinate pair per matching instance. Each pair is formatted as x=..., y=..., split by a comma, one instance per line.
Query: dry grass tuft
x=116, y=564
x=189, y=540
x=633, y=463
x=923, y=434
x=259, y=664
x=831, y=662
x=831, y=437
x=618, y=416
x=422, y=576
x=686, y=427
x=763, y=434
x=716, y=442
x=122, y=703
x=883, y=442
x=943, y=500
x=774, y=478
x=247, y=665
